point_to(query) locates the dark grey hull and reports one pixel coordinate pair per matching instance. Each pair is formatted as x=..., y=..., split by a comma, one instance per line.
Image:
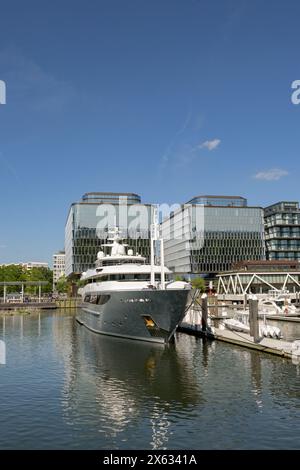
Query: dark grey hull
x=149, y=315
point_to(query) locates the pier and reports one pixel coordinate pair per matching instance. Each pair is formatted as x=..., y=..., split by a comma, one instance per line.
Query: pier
x=198, y=322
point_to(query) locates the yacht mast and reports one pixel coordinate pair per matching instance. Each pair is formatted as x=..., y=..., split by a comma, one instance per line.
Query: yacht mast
x=162, y=263
x=153, y=237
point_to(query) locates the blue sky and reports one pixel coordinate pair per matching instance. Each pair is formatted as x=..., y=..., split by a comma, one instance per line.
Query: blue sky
x=165, y=98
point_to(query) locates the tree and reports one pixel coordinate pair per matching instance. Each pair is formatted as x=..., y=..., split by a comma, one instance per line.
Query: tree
x=198, y=283
x=18, y=273
x=180, y=278
x=39, y=274
x=62, y=285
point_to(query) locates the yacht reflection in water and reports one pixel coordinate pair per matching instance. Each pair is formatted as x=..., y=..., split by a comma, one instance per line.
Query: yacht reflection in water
x=117, y=387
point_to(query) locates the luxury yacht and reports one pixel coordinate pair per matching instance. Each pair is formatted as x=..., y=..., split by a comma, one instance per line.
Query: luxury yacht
x=123, y=296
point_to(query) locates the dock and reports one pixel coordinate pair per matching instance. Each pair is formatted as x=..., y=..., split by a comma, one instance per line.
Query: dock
x=196, y=322
x=288, y=318
x=267, y=345
x=27, y=305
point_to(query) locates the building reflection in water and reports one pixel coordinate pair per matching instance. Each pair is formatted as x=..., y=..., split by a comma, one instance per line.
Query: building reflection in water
x=256, y=378
x=98, y=392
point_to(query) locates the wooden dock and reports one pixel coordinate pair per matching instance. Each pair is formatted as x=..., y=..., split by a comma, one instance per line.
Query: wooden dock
x=288, y=318
x=58, y=303
x=68, y=303
x=268, y=345
x=27, y=305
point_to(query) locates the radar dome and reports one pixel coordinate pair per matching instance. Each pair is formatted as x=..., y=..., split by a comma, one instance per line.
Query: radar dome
x=130, y=252
x=100, y=254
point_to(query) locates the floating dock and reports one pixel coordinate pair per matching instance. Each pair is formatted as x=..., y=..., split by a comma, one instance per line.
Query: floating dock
x=290, y=318
x=196, y=323
x=268, y=345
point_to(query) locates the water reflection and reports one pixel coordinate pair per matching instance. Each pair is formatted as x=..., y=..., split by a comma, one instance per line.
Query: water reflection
x=256, y=378
x=65, y=387
x=127, y=380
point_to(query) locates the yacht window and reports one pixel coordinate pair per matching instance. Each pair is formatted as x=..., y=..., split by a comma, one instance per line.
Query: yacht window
x=102, y=299
x=133, y=277
x=93, y=298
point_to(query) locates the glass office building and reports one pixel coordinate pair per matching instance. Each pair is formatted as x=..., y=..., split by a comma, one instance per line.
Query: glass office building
x=226, y=201
x=209, y=238
x=88, y=223
x=282, y=229
x=112, y=198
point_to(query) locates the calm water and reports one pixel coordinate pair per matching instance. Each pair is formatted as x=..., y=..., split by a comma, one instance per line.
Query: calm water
x=65, y=387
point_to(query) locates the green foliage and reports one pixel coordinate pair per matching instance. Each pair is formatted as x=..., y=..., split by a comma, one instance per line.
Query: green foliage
x=198, y=283
x=180, y=278
x=80, y=283
x=62, y=285
x=66, y=286
x=16, y=273
x=39, y=274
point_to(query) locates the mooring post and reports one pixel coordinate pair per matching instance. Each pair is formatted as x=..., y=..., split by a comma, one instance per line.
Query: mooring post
x=253, y=318
x=245, y=301
x=204, y=308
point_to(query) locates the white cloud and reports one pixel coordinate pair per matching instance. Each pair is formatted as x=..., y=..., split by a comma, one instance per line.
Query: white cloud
x=271, y=175
x=211, y=144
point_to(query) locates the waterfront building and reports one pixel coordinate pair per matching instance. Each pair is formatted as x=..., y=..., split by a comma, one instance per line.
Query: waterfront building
x=210, y=233
x=88, y=222
x=58, y=266
x=282, y=231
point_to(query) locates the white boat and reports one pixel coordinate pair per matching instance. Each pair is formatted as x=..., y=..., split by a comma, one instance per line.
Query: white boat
x=123, y=296
x=264, y=330
x=280, y=305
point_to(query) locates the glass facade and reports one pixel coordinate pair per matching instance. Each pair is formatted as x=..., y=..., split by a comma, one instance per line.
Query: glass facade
x=112, y=198
x=225, y=236
x=282, y=231
x=87, y=228
x=227, y=201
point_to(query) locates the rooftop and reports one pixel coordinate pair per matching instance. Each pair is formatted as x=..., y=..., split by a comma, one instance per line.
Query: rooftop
x=229, y=201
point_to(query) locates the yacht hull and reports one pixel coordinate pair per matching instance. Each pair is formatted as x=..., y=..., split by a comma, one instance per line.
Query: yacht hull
x=148, y=315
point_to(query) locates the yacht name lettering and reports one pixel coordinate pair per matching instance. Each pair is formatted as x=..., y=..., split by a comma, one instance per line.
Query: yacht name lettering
x=114, y=460
x=296, y=94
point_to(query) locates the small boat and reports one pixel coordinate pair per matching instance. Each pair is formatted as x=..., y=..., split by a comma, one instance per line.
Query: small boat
x=267, y=331
x=236, y=325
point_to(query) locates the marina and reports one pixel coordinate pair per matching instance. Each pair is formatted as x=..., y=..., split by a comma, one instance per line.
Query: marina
x=253, y=327
x=111, y=393
x=150, y=230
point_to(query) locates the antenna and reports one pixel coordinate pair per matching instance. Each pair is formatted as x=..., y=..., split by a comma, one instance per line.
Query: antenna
x=153, y=237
